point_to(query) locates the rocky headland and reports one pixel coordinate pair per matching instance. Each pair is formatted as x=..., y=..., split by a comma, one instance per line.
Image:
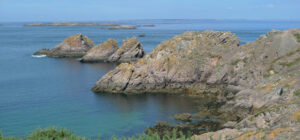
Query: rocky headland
x=73, y=46
x=255, y=87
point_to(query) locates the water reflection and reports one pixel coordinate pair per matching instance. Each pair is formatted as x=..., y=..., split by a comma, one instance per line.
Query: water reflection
x=165, y=105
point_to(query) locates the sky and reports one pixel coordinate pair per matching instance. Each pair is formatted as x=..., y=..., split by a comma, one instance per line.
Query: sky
x=98, y=10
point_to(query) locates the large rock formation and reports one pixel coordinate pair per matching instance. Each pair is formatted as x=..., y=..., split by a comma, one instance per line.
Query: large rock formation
x=101, y=52
x=182, y=64
x=130, y=50
x=256, y=85
x=73, y=46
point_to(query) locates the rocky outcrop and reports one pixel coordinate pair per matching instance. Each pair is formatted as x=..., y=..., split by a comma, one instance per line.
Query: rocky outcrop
x=131, y=50
x=101, y=52
x=256, y=86
x=183, y=64
x=73, y=46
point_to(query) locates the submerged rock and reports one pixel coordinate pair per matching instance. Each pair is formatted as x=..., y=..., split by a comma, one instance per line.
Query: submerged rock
x=101, y=52
x=142, y=35
x=186, y=117
x=73, y=46
x=131, y=50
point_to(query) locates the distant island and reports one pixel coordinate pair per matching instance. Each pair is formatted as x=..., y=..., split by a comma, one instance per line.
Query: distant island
x=64, y=24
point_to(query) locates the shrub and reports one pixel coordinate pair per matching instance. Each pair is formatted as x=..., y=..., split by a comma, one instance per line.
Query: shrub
x=53, y=133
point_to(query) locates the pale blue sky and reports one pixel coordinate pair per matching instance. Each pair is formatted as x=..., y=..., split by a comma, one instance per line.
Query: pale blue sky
x=95, y=10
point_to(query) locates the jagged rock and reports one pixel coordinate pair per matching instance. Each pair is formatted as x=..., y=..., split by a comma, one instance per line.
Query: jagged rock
x=130, y=50
x=257, y=84
x=270, y=107
x=182, y=64
x=101, y=52
x=73, y=46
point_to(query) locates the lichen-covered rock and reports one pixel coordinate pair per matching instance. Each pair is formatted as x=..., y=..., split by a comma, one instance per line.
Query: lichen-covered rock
x=256, y=85
x=130, y=50
x=73, y=46
x=101, y=52
x=182, y=64
x=270, y=107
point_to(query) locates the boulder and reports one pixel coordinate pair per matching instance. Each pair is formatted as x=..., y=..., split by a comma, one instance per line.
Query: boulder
x=73, y=46
x=101, y=52
x=130, y=50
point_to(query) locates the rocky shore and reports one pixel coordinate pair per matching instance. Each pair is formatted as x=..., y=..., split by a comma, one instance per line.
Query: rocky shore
x=255, y=87
x=73, y=46
x=131, y=50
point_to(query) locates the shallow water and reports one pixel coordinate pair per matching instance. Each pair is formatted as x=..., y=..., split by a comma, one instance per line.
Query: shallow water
x=56, y=92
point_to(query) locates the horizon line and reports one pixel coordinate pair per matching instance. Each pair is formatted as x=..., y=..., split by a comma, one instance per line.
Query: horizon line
x=117, y=20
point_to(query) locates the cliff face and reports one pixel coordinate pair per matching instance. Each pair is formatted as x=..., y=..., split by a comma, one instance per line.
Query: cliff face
x=101, y=52
x=256, y=85
x=73, y=46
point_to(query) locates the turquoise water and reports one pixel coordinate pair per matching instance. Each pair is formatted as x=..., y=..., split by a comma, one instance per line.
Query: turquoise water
x=56, y=92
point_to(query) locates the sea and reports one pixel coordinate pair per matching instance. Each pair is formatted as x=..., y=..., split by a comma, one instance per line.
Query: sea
x=41, y=92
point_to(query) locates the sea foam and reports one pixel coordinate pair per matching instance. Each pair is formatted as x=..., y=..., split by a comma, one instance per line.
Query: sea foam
x=39, y=56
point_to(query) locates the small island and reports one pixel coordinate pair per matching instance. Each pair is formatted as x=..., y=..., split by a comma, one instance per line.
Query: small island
x=123, y=27
x=63, y=24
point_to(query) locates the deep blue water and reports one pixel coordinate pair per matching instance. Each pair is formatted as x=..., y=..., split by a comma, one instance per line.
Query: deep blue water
x=56, y=92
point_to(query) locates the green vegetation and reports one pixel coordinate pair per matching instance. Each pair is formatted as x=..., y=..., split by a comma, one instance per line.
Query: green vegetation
x=297, y=93
x=297, y=37
x=53, y=133
x=290, y=63
x=235, y=62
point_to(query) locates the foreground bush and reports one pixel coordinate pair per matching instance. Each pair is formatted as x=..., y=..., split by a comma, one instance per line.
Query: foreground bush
x=63, y=134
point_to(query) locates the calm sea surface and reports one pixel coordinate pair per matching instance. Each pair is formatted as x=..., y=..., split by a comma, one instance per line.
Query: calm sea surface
x=42, y=92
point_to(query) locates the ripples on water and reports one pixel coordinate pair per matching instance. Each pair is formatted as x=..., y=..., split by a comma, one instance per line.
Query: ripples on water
x=56, y=92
